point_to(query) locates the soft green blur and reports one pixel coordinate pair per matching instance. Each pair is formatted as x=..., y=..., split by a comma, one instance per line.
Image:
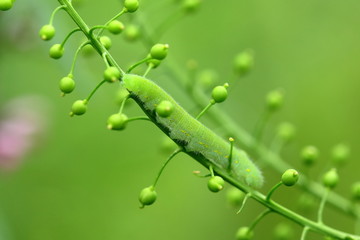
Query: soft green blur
x=81, y=181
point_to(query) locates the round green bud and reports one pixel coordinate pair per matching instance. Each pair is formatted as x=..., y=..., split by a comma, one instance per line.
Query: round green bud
x=47, y=32
x=290, y=177
x=274, y=100
x=164, y=109
x=219, y=94
x=5, y=5
x=207, y=78
x=244, y=233
x=243, y=62
x=147, y=196
x=283, y=232
x=79, y=107
x=106, y=42
x=309, y=155
x=66, y=85
x=115, y=27
x=330, y=178
x=235, y=197
x=153, y=62
x=286, y=131
x=117, y=121
x=132, y=32
x=167, y=145
x=159, y=51
x=191, y=5
x=112, y=74
x=56, y=51
x=355, y=191
x=131, y=5
x=216, y=184
x=340, y=154
x=121, y=95
x=88, y=50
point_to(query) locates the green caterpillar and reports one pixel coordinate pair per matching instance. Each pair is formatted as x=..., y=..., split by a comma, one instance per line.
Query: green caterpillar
x=196, y=140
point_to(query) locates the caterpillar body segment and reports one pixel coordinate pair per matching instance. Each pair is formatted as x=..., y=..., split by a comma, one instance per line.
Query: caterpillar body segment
x=197, y=140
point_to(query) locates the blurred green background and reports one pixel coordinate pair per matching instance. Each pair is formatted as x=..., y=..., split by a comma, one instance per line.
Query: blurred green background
x=81, y=181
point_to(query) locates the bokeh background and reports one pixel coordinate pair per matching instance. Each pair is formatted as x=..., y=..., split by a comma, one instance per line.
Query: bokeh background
x=77, y=180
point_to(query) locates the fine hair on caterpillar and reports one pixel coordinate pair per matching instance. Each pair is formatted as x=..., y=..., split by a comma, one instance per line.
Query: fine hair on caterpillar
x=193, y=137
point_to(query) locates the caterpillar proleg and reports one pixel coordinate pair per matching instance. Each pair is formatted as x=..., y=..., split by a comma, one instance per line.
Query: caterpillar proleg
x=196, y=139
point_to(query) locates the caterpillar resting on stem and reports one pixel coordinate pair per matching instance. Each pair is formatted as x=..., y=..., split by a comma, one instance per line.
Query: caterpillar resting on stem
x=192, y=136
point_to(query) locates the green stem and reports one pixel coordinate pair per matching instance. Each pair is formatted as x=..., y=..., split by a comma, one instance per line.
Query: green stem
x=112, y=19
x=76, y=55
x=272, y=190
x=148, y=69
x=96, y=27
x=205, y=110
x=231, y=153
x=69, y=35
x=258, y=219
x=138, y=118
x=106, y=60
x=95, y=89
x=322, y=205
x=54, y=12
x=166, y=163
x=123, y=104
x=304, y=233
x=86, y=30
x=137, y=64
x=243, y=202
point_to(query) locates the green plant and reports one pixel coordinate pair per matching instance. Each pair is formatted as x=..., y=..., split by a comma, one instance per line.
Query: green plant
x=221, y=168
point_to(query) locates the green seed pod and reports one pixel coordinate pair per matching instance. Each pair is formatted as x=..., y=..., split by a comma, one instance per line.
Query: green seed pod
x=244, y=233
x=191, y=5
x=340, y=154
x=355, y=191
x=115, y=27
x=243, y=63
x=309, y=155
x=131, y=5
x=167, y=145
x=67, y=85
x=117, y=121
x=121, y=95
x=159, y=51
x=235, y=197
x=331, y=178
x=106, y=42
x=147, y=196
x=79, y=107
x=286, y=131
x=219, y=94
x=56, y=51
x=274, y=100
x=6, y=5
x=290, y=177
x=132, y=33
x=154, y=62
x=112, y=74
x=47, y=32
x=88, y=50
x=164, y=109
x=216, y=184
x=283, y=232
